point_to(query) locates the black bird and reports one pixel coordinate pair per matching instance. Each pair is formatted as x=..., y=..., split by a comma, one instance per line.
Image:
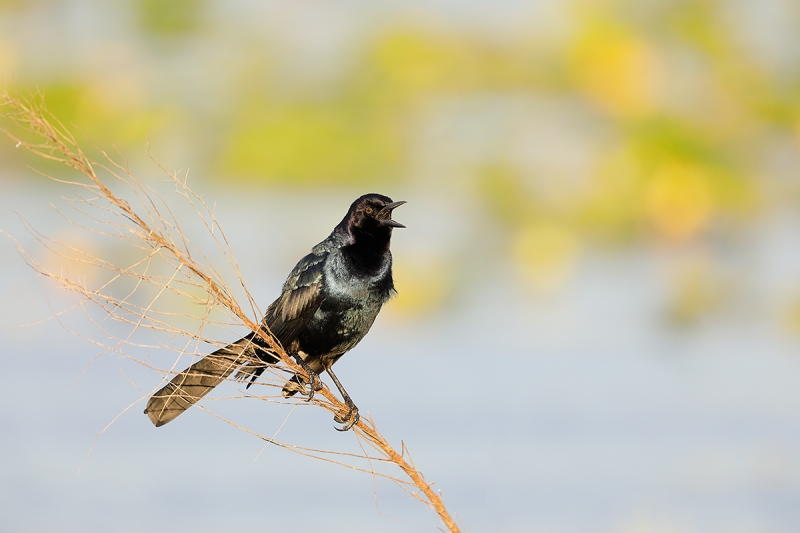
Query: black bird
x=328, y=304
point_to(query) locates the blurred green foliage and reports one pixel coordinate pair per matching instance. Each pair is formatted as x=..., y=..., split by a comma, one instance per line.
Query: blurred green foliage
x=683, y=115
x=171, y=18
x=337, y=142
x=11, y=4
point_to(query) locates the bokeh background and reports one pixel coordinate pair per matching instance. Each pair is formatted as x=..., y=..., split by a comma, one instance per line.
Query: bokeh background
x=598, y=320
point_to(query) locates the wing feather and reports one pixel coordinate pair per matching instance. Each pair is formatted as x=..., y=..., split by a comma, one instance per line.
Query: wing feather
x=301, y=297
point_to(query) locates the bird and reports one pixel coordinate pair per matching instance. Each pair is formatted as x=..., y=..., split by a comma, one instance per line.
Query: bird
x=328, y=304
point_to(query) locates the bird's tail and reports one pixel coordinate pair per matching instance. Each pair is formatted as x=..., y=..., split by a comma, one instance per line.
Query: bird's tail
x=189, y=386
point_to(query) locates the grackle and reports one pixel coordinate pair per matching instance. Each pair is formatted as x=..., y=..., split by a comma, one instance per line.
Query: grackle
x=328, y=304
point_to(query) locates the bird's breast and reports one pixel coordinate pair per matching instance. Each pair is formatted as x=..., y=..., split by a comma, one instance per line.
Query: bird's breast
x=341, y=283
x=349, y=306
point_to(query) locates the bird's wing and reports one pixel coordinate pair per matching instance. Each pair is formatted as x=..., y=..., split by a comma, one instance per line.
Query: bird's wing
x=302, y=295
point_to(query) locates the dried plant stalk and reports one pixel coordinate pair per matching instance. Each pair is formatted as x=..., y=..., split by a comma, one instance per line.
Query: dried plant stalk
x=150, y=226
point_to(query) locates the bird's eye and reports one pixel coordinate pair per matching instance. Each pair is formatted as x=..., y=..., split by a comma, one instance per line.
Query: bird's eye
x=368, y=210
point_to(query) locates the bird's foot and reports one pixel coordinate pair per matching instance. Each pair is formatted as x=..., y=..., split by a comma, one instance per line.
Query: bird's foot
x=350, y=419
x=311, y=385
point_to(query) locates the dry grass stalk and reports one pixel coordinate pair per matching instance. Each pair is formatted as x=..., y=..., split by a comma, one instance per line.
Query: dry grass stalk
x=151, y=226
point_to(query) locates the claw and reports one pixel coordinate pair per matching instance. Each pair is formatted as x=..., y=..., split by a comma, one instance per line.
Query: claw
x=311, y=386
x=349, y=420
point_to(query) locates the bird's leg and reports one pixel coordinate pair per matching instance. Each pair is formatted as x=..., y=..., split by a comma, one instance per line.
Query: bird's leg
x=352, y=416
x=313, y=383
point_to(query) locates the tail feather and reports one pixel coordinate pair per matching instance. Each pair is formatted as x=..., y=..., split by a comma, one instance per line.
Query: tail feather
x=189, y=386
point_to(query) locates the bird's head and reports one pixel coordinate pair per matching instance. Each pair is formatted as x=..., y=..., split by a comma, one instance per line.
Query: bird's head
x=372, y=213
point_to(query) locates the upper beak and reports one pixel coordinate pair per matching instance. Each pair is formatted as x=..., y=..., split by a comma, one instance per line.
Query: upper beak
x=385, y=215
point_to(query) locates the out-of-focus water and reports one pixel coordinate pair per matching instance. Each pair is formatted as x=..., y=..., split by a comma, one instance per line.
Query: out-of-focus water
x=578, y=410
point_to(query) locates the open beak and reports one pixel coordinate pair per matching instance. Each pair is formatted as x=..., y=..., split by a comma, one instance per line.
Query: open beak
x=385, y=215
